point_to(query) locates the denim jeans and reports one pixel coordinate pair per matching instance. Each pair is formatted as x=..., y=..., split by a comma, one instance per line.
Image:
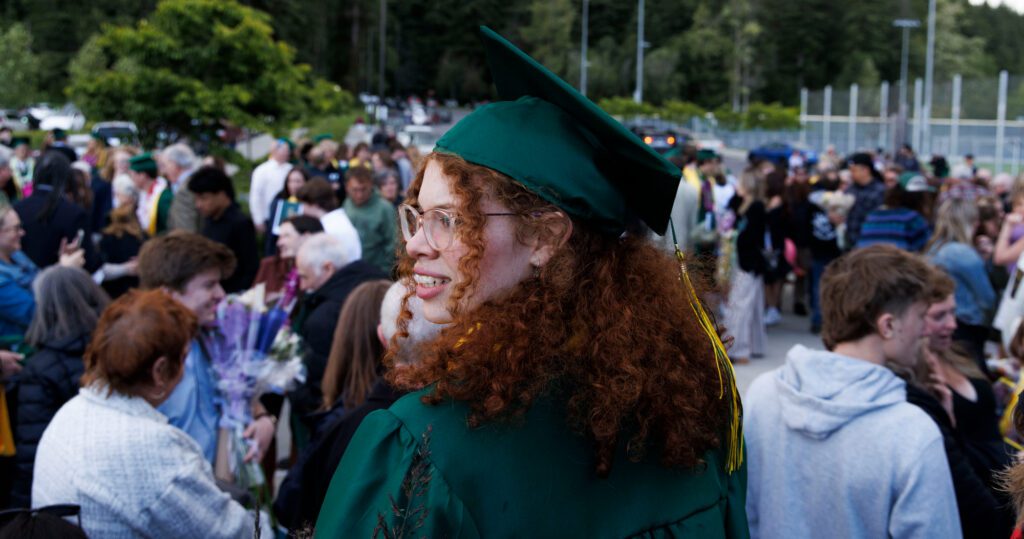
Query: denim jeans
x=817, y=268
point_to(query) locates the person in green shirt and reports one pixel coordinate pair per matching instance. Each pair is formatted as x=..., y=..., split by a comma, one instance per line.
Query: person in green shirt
x=373, y=217
x=578, y=389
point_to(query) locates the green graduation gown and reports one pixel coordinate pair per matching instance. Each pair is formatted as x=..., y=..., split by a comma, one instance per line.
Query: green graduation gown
x=529, y=478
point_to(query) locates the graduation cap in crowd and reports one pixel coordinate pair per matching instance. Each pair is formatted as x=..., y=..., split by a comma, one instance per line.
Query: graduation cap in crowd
x=18, y=141
x=323, y=136
x=59, y=134
x=561, y=146
x=143, y=162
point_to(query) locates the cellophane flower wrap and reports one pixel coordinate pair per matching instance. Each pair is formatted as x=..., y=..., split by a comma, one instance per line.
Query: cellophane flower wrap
x=253, y=352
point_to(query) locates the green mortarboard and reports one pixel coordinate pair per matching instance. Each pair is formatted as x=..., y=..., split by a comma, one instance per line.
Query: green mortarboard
x=288, y=141
x=706, y=155
x=323, y=136
x=563, y=147
x=143, y=162
x=912, y=182
x=99, y=137
x=59, y=134
x=18, y=141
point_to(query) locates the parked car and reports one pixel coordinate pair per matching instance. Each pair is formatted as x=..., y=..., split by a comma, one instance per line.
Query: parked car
x=13, y=120
x=423, y=137
x=779, y=153
x=32, y=115
x=661, y=140
x=712, y=144
x=68, y=118
x=117, y=133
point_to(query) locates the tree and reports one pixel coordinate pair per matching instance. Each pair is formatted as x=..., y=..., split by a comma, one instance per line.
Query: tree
x=17, y=68
x=548, y=36
x=194, y=64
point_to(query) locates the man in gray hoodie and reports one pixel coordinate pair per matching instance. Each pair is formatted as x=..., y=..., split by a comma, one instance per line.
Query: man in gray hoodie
x=834, y=449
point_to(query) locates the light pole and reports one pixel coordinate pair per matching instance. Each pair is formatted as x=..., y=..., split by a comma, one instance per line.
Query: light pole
x=929, y=69
x=906, y=25
x=638, y=94
x=583, y=47
x=383, y=41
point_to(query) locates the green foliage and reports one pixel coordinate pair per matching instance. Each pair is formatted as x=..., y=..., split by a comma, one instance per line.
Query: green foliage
x=19, y=83
x=625, y=106
x=193, y=64
x=771, y=116
x=681, y=111
x=337, y=125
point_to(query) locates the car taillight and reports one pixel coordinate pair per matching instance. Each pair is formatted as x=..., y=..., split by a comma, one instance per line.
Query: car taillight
x=648, y=140
x=671, y=140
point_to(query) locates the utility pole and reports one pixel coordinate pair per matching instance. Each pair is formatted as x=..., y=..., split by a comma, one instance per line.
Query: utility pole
x=383, y=45
x=638, y=95
x=929, y=68
x=905, y=25
x=583, y=47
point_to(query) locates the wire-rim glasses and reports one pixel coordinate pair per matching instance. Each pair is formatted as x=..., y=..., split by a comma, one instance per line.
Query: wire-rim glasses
x=438, y=224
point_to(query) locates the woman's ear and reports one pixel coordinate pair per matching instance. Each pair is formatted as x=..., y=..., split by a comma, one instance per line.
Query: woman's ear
x=553, y=230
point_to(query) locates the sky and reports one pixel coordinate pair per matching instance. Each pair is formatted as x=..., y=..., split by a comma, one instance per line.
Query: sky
x=1016, y=5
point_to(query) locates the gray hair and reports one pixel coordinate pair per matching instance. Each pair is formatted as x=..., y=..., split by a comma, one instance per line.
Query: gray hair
x=420, y=329
x=68, y=305
x=179, y=154
x=123, y=185
x=322, y=248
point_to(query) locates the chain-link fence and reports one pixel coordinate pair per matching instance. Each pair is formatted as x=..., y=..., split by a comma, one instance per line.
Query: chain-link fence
x=983, y=117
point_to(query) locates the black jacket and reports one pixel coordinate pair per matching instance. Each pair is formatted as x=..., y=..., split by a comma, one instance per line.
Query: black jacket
x=118, y=251
x=321, y=310
x=983, y=513
x=750, y=238
x=234, y=230
x=304, y=489
x=42, y=238
x=49, y=379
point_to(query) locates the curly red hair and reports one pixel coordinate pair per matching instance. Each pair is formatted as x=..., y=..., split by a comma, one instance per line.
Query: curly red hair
x=605, y=328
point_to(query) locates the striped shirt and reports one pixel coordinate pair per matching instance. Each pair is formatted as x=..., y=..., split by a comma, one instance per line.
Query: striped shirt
x=902, y=227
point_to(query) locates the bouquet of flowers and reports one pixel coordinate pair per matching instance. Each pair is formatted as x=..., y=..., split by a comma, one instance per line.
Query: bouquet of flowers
x=253, y=352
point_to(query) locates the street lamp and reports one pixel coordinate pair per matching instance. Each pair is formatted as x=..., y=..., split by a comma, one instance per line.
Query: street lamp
x=906, y=25
x=638, y=94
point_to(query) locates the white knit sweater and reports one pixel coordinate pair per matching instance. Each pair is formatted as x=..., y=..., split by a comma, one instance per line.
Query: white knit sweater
x=133, y=474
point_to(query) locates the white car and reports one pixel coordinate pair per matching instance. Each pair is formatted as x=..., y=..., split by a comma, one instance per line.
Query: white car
x=712, y=144
x=423, y=137
x=68, y=118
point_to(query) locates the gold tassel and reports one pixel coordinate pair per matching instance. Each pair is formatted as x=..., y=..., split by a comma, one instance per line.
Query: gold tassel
x=726, y=376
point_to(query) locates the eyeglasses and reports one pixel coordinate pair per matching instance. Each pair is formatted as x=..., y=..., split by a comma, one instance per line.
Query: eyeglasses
x=438, y=225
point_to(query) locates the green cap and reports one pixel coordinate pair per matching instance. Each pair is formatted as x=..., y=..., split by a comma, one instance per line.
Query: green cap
x=913, y=182
x=143, y=162
x=288, y=141
x=563, y=147
x=18, y=141
x=59, y=134
x=706, y=155
x=323, y=136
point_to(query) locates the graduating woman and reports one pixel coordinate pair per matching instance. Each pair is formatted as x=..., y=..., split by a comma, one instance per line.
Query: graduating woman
x=577, y=388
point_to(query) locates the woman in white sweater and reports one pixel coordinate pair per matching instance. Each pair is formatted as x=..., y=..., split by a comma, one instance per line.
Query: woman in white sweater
x=111, y=452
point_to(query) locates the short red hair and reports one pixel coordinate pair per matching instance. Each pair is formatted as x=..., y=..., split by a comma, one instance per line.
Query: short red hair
x=132, y=333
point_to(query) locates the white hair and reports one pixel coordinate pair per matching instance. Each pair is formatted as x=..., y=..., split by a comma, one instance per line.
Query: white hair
x=321, y=248
x=179, y=154
x=124, y=185
x=420, y=329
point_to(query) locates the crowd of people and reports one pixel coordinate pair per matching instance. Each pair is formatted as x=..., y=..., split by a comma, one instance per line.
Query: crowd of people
x=516, y=334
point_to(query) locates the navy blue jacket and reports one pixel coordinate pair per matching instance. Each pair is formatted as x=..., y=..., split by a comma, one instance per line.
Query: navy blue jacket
x=42, y=238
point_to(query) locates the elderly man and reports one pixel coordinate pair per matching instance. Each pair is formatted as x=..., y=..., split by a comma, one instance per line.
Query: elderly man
x=268, y=180
x=177, y=163
x=328, y=273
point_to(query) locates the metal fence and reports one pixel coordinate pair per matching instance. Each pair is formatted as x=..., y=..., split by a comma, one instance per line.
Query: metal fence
x=984, y=117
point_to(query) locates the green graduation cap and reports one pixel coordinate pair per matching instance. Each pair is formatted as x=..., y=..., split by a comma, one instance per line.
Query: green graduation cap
x=563, y=147
x=18, y=141
x=59, y=134
x=323, y=136
x=706, y=155
x=289, y=142
x=143, y=162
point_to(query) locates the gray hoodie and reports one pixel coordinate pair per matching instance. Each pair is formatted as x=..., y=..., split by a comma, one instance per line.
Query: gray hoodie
x=834, y=450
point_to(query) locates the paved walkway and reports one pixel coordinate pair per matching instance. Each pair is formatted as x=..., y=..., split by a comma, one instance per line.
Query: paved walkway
x=791, y=331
